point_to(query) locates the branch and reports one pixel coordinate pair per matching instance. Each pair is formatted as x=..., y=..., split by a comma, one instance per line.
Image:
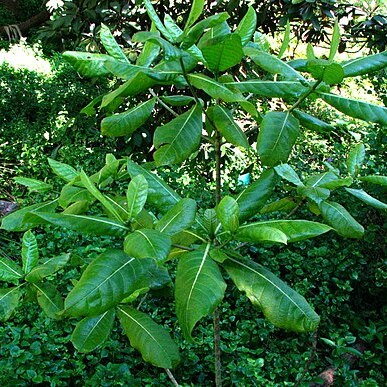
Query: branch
x=34, y=21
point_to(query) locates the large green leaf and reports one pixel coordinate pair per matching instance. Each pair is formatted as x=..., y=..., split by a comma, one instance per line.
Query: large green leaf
x=366, y=198
x=9, y=301
x=285, y=204
x=280, y=304
x=160, y=194
x=64, y=171
x=179, y=138
x=375, y=179
x=341, y=220
x=227, y=212
x=91, y=332
x=87, y=64
x=30, y=251
x=151, y=339
x=156, y=20
x=247, y=26
x=328, y=180
x=365, y=65
x=33, y=184
x=9, y=270
x=71, y=194
x=272, y=89
x=317, y=194
x=335, y=41
x=288, y=173
x=16, y=220
x=49, y=267
x=312, y=123
x=174, y=30
x=124, y=124
x=278, y=133
x=149, y=52
x=295, y=230
x=199, y=288
x=179, y=217
x=136, y=195
x=285, y=41
x=195, y=12
x=214, y=89
x=272, y=64
x=356, y=109
x=170, y=51
x=82, y=223
x=49, y=299
x=145, y=243
x=230, y=130
x=110, y=44
x=261, y=234
x=223, y=52
x=355, y=159
x=254, y=197
x=107, y=280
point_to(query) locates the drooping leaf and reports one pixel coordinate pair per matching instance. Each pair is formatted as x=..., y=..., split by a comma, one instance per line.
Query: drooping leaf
x=169, y=50
x=147, y=243
x=49, y=299
x=9, y=270
x=177, y=100
x=375, y=179
x=285, y=41
x=227, y=212
x=199, y=288
x=49, y=267
x=280, y=304
x=365, y=65
x=179, y=138
x=156, y=20
x=16, y=220
x=278, y=133
x=222, y=53
x=82, y=223
x=178, y=218
x=107, y=280
x=159, y=193
x=33, y=184
x=149, y=52
x=64, y=171
x=288, y=173
x=87, y=64
x=110, y=44
x=355, y=159
x=91, y=332
x=356, y=109
x=152, y=340
x=295, y=230
x=272, y=89
x=312, y=123
x=254, y=197
x=335, y=41
x=247, y=26
x=9, y=301
x=366, y=198
x=124, y=124
x=230, y=130
x=341, y=220
x=30, y=252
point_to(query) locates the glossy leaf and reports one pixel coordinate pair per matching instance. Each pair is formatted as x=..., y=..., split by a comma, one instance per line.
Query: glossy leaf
x=49, y=299
x=288, y=173
x=91, y=332
x=82, y=223
x=178, y=218
x=124, y=124
x=156, y=20
x=107, y=280
x=254, y=197
x=278, y=133
x=110, y=44
x=9, y=301
x=145, y=243
x=179, y=138
x=199, y=288
x=49, y=267
x=247, y=26
x=355, y=159
x=227, y=212
x=375, y=179
x=64, y=171
x=33, y=184
x=214, y=89
x=9, y=270
x=341, y=220
x=280, y=304
x=356, y=109
x=159, y=193
x=152, y=340
x=261, y=234
x=312, y=123
x=272, y=89
x=365, y=65
x=30, y=252
x=366, y=198
x=136, y=195
x=87, y=64
x=223, y=52
x=195, y=12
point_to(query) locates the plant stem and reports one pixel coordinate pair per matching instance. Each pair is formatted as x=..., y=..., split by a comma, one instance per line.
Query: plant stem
x=171, y=377
x=161, y=102
x=304, y=96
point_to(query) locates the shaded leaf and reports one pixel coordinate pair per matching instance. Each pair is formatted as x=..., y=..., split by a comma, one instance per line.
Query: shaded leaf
x=9, y=301
x=366, y=198
x=195, y=12
x=87, y=64
x=136, y=195
x=228, y=213
x=247, y=26
x=9, y=270
x=110, y=44
x=375, y=179
x=355, y=159
x=49, y=267
x=49, y=299
x=365, y=65
x=312, y=123
x=316, y=194
x=288, y=173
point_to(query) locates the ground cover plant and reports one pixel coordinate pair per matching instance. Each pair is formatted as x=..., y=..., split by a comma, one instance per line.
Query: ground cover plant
x=190, y=74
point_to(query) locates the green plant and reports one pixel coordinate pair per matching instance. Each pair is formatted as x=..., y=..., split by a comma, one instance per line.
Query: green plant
x=154, y=224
